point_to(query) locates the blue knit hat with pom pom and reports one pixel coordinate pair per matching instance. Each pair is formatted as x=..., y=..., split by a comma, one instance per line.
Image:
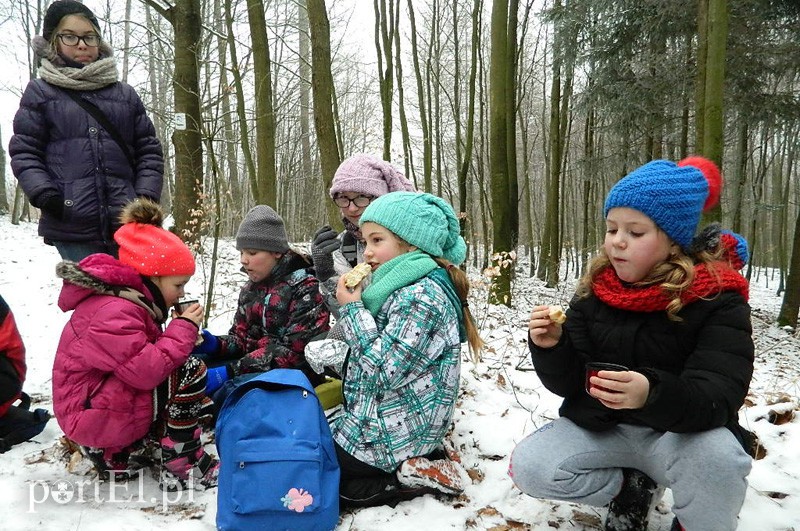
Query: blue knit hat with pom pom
x=736, y=245
x=423, y=220
x=673, y=195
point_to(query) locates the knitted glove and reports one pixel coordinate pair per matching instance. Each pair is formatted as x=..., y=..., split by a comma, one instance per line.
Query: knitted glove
x=210, y=344
x=216, y=376
x=52, y=203
x=325, y=242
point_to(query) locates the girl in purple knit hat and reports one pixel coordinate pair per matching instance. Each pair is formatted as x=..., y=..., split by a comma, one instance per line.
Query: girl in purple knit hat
x=358, y=180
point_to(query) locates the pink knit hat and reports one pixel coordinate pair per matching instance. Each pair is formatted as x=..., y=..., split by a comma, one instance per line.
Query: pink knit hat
x=370, y=176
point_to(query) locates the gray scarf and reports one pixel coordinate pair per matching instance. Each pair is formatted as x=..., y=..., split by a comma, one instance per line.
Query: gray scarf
x=54, y=69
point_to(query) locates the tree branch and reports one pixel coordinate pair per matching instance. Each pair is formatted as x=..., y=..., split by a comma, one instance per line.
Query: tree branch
x=165, y=12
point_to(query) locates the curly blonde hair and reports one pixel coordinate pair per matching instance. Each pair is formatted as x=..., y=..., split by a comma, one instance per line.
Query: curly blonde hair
x=674, y=275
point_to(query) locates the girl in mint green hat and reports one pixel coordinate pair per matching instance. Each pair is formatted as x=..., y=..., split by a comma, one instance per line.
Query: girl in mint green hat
x=405, y=333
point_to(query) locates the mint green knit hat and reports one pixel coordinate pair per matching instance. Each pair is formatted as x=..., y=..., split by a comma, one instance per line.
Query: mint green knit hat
x=423, y=220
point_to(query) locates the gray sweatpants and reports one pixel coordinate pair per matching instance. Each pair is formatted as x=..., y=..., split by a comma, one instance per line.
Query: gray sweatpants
x=706, y=471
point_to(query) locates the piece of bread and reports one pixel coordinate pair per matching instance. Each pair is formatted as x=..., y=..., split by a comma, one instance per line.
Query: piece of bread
x=557, y=314
x=354, y=277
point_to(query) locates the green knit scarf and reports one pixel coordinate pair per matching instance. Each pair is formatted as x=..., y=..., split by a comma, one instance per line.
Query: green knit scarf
x=403, y=271
x=399, y=272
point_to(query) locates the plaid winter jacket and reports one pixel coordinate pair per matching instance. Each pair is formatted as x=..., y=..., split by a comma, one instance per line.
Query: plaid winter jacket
x=275, y=319
x=401, y=376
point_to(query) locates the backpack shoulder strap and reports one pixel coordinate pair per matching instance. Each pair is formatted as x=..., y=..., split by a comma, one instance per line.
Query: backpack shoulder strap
x=95, y=112
x=272, y=378
x=284, y=377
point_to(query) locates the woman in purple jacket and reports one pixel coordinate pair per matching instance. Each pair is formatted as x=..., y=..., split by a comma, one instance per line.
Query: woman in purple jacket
x=69, y=164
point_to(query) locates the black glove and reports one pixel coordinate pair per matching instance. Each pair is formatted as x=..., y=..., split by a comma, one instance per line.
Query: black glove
x=325, y=242
x=53, y=204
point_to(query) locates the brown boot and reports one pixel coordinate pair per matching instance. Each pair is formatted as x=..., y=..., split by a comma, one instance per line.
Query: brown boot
x=440, y=474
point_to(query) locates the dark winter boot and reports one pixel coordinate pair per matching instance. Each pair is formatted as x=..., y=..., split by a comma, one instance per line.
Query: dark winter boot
x=676, y=525
x=119, y=464
x=630, y=509
x=442, y=475
x=19, y=425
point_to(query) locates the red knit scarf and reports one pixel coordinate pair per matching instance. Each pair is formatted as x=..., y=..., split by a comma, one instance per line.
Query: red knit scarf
x=611, y=290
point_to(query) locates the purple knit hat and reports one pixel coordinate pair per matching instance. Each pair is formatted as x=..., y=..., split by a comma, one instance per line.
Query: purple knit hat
x=370, y=176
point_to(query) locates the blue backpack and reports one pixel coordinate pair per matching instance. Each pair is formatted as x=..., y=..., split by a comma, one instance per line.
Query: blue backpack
x=278, y=466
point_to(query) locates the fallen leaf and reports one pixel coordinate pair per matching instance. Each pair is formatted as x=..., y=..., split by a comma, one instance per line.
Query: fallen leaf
x=488, y=511
x=475, y=475
x=780, y=417
x=501, y=381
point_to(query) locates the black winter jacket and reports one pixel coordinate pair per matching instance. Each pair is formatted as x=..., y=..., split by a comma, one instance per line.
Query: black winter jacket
x=58, y=149
x=699, y=368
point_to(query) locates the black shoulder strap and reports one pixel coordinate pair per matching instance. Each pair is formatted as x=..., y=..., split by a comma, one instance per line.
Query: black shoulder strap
x=105, y=123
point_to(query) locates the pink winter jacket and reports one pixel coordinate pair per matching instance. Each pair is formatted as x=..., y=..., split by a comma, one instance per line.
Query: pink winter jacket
x=112, y=353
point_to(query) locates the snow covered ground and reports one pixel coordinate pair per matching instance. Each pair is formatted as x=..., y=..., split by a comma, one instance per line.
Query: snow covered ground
x=501, y=402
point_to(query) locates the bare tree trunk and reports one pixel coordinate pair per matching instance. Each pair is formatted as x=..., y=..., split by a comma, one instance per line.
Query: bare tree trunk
x=160, y=78
x=231, y=193
x=306, y=159
x=700, y=75
x=266, y=191
x=436, y=93
x=384, y=36
x=548, y=262
x=740, y=173
x=244, y=129
x=127, y=41
x=503, y=229
x=511, y=123
x=427, y=141
x=324, y=99
x=184, y=15
x=791, y=297
x=463, y=171
x=714, y=132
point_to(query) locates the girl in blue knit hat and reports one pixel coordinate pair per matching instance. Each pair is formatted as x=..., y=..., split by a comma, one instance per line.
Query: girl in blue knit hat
x=670, y=308
x=405, y=332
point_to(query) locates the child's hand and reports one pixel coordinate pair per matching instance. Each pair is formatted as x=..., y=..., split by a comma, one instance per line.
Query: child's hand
x=543, y=331
x=620, y=389
x=194, y=313
x=345, y=294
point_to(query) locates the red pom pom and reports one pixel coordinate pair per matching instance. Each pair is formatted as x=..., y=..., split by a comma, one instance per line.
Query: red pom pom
x=714, y=178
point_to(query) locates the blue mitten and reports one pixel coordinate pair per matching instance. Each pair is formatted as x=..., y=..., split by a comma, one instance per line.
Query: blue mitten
x=210, y=344
x=216, y=377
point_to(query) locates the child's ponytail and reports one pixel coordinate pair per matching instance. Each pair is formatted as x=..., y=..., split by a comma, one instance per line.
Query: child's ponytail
x=461, y=284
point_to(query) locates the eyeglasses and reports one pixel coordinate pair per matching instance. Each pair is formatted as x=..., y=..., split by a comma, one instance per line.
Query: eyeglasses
x=68, y=39
x=360, y=201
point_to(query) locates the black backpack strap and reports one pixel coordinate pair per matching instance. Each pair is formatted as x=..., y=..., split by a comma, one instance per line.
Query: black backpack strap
x=104, y=122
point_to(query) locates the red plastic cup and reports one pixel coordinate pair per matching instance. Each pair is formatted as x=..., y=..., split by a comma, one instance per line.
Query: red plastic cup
x=181, y=306
x=593, y=367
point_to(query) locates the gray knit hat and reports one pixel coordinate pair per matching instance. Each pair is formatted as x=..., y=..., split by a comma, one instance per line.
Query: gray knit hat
x=262, y=229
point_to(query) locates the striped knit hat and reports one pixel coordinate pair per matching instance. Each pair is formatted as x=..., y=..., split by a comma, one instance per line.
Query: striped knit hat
x=673, y=195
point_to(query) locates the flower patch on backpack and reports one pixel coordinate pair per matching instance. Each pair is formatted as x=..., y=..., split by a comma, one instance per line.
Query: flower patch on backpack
x=297, y=500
